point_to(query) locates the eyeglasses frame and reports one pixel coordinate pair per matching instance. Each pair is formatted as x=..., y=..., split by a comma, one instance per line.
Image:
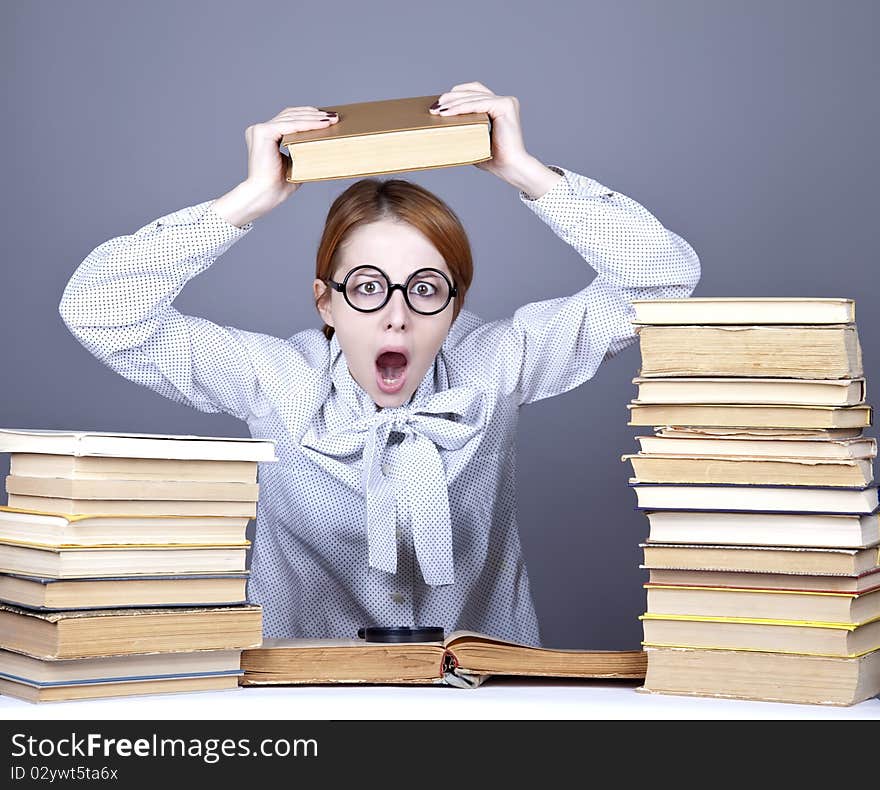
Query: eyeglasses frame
x=341, y=287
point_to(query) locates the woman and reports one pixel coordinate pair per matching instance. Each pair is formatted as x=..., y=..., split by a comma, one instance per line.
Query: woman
x=393, y=500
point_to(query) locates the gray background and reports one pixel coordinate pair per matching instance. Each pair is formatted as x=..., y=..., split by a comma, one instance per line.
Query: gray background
x=748, y=128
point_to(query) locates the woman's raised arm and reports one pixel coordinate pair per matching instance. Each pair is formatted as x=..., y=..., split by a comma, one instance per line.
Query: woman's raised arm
x=118, y=302
x=552, y=346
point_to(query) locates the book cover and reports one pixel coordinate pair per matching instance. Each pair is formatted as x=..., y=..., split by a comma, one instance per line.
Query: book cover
x=387, y=136
x=745, y=310
x=136, y=445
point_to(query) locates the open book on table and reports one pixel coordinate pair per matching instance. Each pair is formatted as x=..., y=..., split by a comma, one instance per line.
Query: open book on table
x=464, y=659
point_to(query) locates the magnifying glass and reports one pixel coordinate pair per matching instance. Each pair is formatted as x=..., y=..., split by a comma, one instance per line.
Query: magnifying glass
x=400, y=634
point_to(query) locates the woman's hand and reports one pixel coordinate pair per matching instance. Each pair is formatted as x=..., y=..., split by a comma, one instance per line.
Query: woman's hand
x=266, y=185
x=510, y=161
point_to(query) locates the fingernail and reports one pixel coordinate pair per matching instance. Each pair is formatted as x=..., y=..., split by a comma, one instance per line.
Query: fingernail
x=435, y=105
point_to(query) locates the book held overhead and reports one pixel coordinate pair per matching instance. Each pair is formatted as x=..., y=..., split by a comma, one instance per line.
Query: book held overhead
x=387, y=136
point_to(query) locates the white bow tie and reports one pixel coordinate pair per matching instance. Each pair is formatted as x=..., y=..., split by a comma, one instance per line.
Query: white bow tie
x=448, y=419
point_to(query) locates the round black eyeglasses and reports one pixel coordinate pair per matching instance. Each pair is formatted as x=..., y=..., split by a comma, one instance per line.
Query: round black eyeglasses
x=367, y=289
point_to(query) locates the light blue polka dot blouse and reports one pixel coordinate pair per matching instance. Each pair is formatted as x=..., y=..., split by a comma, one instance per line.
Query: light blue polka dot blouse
x=401, y=516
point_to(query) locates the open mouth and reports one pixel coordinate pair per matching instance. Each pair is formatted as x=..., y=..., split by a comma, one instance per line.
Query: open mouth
x=391, y=371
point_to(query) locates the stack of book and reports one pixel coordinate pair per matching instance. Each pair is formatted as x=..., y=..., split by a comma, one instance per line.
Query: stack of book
x=759, y=492
x=123, y=563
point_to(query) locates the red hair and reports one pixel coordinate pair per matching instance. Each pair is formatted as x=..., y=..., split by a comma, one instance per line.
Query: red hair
x=371, y=199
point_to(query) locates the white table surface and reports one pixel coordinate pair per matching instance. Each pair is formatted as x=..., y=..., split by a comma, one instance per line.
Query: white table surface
x=497, y=698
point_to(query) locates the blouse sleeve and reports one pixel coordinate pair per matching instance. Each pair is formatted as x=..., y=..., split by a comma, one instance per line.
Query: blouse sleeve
x=550, y=347
x=118, y=305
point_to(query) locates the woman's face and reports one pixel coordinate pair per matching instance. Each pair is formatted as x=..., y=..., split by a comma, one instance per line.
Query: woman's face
x=398, y=249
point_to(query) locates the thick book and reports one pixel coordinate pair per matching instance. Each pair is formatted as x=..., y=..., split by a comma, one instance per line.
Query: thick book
x=746, y=415
x=113, y=632
x=677, y=468
x=96, y=467
x=842, y=640
x=136, y=445
x=40, y=680
x=800, y=352
x=132, y=507
x=745, y=310
x=865, y=582
x=772, y=677
x=762, y=559
x=69, y=562
x=730, y=445
x=760, y=528
x=728, y=496
x=59, y=529
x=387, y=136
x=764, y=604
x=102, y=592
x=804, y=392
x=464, y=659
x=132, y=489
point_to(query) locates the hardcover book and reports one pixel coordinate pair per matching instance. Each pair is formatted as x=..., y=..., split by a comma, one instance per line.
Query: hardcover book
x=729, y=496
x=132, y=489
x=103, y=592
x=840, y=640
x=97, y=467
x=864, y=582
x=774, y=677
x=749, y=415
x=843, y=608
x=39, y=680
x=756, y=446
x=742, y=527
x=59, y=529
x=132, y=507
x=675, y=468
x=803, y=392
x=69, y=562
x=135, y=445
x=745, y=310
x=114, y=632
x=762, y=559
x=801, y=352
x=387, y=136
